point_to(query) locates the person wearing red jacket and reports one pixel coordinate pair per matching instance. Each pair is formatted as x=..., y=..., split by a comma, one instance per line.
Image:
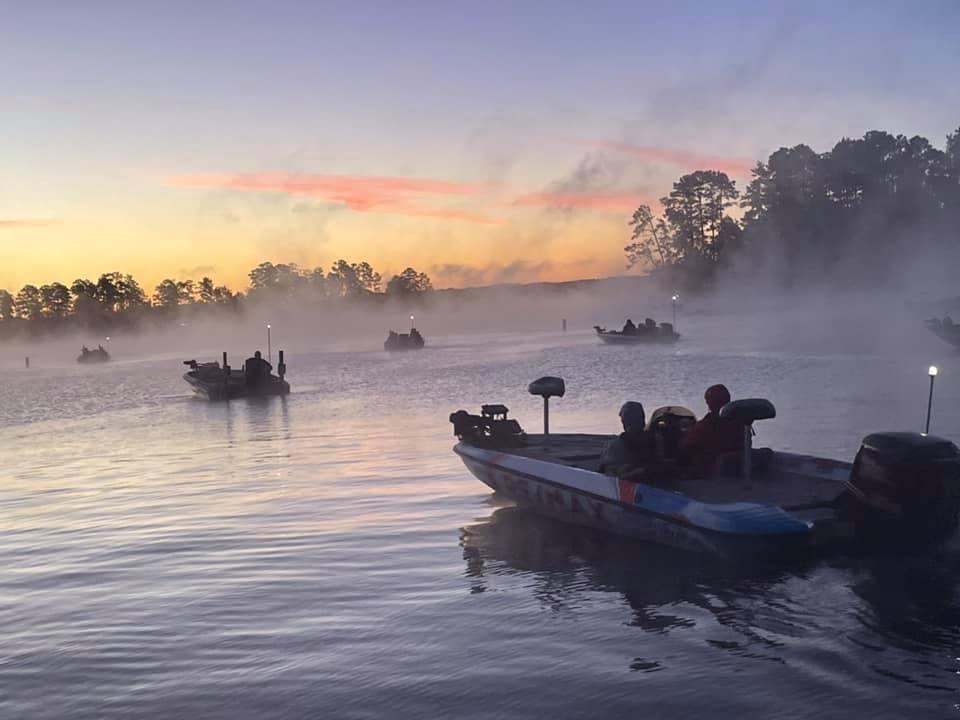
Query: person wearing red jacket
x=712, y=436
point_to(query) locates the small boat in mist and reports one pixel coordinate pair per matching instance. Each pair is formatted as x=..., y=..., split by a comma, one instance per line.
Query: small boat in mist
x=647, y=333
x=88, y=356
x=900, y=487
x=214, y=381
x=404, y=341
x=946, y=329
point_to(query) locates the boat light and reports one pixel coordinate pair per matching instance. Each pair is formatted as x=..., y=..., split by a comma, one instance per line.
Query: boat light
x=933, y=371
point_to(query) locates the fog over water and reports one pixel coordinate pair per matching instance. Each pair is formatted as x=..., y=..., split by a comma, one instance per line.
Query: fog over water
x=326, y=554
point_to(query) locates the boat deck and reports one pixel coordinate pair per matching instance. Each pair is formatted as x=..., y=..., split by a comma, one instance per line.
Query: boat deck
x=788, y=481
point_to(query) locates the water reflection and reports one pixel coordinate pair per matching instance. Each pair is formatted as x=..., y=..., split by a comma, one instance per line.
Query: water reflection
x=566, y=562
x=890, y=617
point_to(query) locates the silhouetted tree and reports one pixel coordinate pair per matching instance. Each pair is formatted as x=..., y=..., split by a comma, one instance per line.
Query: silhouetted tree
x=409, y=282
x=354, y=279
x=167, y=294
x=696, y=208
x=6, y=305
x=368, y=278
x=651, y=240
x=205, y=290
x=29, y=303
x=284, y=279
x=56, y=300
x=690, y=239
x=223, y=296
x=186, y=292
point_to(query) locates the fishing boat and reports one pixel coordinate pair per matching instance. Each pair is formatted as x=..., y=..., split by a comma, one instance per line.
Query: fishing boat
x=903, y=486
x=214, y=381
x=87, y=356
x=404, y=341
x=647, y=333
x=946, y=329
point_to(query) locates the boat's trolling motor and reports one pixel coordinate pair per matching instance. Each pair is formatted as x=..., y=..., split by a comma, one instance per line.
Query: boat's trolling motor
x=547, y=387
x=746, y=412
x=909, y=487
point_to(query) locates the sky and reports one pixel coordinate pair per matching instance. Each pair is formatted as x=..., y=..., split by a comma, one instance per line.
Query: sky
x=479, y=142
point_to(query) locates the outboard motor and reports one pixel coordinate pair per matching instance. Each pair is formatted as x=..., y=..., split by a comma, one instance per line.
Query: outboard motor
x=910, y=485
x=490, y=429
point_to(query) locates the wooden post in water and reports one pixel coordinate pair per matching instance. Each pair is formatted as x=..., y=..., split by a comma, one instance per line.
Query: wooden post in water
x=26, y=362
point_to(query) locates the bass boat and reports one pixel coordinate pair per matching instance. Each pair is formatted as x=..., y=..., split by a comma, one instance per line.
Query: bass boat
x=215, y=382
x=645, y=334
x=901, y=486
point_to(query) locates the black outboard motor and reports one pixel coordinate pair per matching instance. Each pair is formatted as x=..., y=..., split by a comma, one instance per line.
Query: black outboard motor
x=911, y=487
x=490, y=429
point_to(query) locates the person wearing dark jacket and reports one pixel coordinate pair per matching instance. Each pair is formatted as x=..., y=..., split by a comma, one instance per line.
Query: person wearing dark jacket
x=712, y=436
x=632, y=448
x=256, y=370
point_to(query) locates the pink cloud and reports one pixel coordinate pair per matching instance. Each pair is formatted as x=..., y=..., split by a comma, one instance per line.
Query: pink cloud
x=395, y=195
x=27, y=222
x=736, y=166
x=612, y=201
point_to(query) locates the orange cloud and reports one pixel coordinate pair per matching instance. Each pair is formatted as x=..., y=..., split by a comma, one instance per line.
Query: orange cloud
x=396, y=195
x=27, y=222
x=690, y=160
x=612, y=201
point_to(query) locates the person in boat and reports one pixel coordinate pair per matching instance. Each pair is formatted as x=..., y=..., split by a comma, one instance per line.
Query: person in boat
x=256, y=370
x=628, y=327
x=713, y=436
x=415, y=336
x=100, y=348
x=631, y=449
x=84, y=350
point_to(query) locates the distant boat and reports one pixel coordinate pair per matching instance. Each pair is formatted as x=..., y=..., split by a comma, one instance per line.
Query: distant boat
x=946, y=329
x=404, y=341
x=648, y=333
x=213, y=382
x=93, y=356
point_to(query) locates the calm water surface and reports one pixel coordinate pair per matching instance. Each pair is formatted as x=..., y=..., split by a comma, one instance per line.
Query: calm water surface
x=326, y=555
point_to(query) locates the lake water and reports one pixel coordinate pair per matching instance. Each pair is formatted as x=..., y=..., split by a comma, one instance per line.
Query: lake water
x=326, y=555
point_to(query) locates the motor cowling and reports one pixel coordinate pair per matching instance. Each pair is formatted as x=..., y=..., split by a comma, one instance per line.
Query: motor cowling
x=910, y=485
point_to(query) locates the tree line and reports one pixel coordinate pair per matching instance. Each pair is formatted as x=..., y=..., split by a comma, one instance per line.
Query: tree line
x=116, y=300
x=864, y=205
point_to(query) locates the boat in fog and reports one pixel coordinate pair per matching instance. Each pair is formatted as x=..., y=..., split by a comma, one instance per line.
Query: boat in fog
x=946, y=330
x=404, y=341
x=899, y=487
x=214, y=381
x=87, y=356
x=646, y=333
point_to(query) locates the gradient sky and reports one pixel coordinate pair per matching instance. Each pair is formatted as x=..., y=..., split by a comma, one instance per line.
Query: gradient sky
x=476, y=141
